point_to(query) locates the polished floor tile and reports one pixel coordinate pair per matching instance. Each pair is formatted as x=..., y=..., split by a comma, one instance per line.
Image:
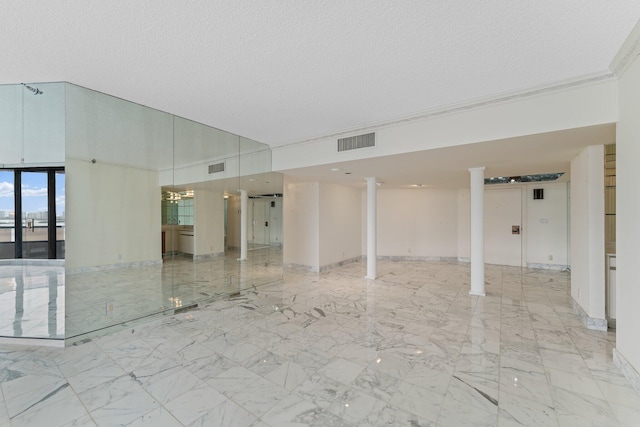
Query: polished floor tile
x=410, y=348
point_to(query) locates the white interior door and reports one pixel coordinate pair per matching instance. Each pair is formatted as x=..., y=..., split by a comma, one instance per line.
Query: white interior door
x=503, y=212
x=260, y=222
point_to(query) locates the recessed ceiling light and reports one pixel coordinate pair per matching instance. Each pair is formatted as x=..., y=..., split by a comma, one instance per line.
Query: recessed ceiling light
x=379, y=183
x=335, y=169
x=417, y=185
x=347, y=173
x=251, y=179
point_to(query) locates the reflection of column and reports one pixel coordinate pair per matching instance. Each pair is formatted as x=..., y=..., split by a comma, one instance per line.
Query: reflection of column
x=371, y=228
x=53, y=303
x=243, y=225
x=477, y=231
x=17, y=322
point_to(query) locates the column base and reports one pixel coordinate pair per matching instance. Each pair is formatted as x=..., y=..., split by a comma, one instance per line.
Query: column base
x=241, y=259
x=477, y=294
x=370, y=278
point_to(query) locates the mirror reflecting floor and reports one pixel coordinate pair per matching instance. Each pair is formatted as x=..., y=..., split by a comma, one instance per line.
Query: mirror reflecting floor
x=411, y=348
x=102, y=299
x=32, y=302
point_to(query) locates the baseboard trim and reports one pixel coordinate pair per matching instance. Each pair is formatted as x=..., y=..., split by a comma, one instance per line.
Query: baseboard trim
x=418, y=258
x=590, y=322
x=91, y=269
x=321, y=269
x=555, y=267
x=35, y=342
x=627, y=370
x=301, y=267
x=208, y=256
x=329, y=267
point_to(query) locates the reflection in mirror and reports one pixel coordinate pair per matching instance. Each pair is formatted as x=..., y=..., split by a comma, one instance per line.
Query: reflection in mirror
x=115, y=152
x=32, y=277
x=152, y=225
x=152, y=222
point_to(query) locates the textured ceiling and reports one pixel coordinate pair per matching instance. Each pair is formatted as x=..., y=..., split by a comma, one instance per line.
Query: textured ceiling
x=285, y=71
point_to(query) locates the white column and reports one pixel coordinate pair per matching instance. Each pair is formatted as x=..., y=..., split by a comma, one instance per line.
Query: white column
x=372, y=252
x=477, y=231
x=243, y=225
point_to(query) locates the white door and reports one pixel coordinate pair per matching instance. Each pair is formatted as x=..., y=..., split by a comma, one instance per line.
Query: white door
x=260, y=222
x=502, y=219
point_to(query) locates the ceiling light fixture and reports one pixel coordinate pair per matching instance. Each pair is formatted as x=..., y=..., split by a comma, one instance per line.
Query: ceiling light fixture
x=335, y=169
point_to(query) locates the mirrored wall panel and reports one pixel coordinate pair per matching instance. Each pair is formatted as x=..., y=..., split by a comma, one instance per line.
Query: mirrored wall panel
x=32, y=211
x=140, y=213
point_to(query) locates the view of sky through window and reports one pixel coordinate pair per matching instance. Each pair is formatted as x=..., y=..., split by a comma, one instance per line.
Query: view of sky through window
x=34, y=193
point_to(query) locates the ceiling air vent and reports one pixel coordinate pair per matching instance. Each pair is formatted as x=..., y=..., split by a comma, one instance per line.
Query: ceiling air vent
x=218, y=167
x=357, y=142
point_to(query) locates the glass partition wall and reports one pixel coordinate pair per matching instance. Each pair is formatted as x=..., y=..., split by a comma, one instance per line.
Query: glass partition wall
x=152, y=223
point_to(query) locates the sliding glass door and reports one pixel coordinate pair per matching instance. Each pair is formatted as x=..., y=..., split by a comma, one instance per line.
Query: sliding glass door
x=32, y=213
x=7, y=214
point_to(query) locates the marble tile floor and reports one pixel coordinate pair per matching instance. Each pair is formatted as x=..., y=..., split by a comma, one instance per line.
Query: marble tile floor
x=41, y=302
x=410, y=348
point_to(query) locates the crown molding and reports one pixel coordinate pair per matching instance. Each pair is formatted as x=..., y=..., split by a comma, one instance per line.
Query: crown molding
x=628, y=52
x=461, y=107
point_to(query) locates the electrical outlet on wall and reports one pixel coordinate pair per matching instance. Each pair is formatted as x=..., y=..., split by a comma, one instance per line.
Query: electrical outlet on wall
x=550, y=257
x=109, y=308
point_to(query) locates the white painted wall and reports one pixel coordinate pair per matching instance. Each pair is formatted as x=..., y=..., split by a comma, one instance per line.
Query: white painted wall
x=112, y=214
x=464, y=224
x=340, y=228
x=539, y=239
x=574, y=107
x=502, y=210
x=418, y=223
x=587, y=231
x=627, y=215
x=301, y=223
x=546, y=224
x=208, y=227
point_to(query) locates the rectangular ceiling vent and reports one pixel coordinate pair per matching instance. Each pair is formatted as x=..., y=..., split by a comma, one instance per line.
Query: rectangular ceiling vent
x=218, y=167
x=357, y=142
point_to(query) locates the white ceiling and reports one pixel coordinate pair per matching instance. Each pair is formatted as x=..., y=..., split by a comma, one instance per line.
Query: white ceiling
x=285, y=71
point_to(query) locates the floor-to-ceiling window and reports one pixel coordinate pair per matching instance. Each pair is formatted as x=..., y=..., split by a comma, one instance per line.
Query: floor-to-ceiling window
x=32, y=213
